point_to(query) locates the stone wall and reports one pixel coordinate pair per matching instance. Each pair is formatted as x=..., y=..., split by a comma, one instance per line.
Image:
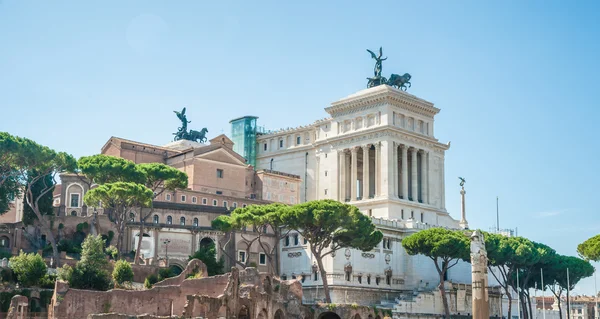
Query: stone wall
x=233, y=293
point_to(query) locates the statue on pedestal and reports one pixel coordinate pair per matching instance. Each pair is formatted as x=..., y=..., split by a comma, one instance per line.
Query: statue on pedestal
x=192, y=135
x=398, y=81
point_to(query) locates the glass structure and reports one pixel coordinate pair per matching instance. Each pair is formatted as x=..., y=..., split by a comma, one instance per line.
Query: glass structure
x=243, y=135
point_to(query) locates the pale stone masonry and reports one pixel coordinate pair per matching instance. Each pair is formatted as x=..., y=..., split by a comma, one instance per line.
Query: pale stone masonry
x=377, y=151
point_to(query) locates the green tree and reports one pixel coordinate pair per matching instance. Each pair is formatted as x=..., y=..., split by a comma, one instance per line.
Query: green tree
x=264, y=220
x=590, y=249
x=19, y=157
x=444, y=247
x=29, y=268
x=91, y=272
x=8, y=192
x=329, y=226
x=555, y=275
x=159, y=178
x=122, y=272
x=544, y=254
x=102, y=169
x=505, y=257
x=120, y=198
x=45, y=200
x=208, y=255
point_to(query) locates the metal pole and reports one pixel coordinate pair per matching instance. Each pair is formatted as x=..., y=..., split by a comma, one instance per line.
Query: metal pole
x=518, y=297
x=497, y=216
x=568, y=302
x=535, y=297
x=543, y=299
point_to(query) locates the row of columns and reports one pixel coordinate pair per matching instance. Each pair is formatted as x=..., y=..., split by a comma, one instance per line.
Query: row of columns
x=361, y=175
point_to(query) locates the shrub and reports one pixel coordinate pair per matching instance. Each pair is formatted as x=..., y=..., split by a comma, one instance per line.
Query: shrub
x=208, y=255
x=112, y=252
x=5, y=254
x=122, y=272
x=150, y=281
x=69, y=246
x=7, y=275
x=91, y=271
x=48, y=281
x=29, y=268
x=165, y=273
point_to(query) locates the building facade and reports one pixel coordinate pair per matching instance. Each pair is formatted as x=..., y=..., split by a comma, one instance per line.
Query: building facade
x=377, y=151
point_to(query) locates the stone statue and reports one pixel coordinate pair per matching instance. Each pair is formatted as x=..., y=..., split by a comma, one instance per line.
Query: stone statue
x=462, y=181
x=398, y=81
x=192, y=135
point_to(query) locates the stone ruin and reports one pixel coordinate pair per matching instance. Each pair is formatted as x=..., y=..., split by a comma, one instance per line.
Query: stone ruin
x=18, y=308
x=241, y=294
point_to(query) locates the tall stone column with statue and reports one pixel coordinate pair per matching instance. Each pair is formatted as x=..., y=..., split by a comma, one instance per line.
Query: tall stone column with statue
x=479, y=277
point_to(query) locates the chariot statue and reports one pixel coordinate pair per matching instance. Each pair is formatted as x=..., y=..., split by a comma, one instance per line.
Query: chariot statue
x=182, y=132
x=401, y=82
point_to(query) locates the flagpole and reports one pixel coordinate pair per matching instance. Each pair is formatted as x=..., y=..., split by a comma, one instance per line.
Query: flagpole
x=568, y=302
x=543, y=297
x=535, y=297
x=518, y=297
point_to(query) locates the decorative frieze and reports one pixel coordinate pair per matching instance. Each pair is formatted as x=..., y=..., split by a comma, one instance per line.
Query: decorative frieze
x=368, y=255
x=294, y=255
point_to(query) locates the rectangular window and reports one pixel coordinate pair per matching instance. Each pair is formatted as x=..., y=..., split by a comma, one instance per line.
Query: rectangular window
x=215, y=202
x=280, y=143
x=305, y=240
x=219, y=192
x=292, y=200
x=74, y=200
x=402, y=214
x=183, y=198
x=298, y=140
x=287, y=241
x=268, y=196
x=234, y=204
x=265, y=146
x=325, y=191
x=168, y=197
x=296, y=241
x=262, y=259
x=225, y=203
x=194, y=200
x=219, y=173
x=325, y=173
x=204, y=201
x=421, y=217
x=281, y=198
x=241, y=256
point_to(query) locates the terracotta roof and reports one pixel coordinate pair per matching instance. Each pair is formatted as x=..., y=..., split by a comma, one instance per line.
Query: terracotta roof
x=140, y=144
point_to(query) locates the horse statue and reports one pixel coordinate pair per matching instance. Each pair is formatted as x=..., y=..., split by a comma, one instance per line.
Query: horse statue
x=194, y=135
x=399, y=81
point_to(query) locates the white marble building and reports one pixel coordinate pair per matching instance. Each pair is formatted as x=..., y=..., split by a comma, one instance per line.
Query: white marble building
x=378, y=152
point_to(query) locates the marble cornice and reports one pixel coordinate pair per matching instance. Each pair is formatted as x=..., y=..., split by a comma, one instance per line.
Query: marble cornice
x=379, y=96
x=385, y=131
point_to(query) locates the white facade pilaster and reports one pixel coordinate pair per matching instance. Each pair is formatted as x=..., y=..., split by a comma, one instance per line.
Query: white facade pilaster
x=415, y=176
x=405, y=172
x=354, y=174
x=366, y=183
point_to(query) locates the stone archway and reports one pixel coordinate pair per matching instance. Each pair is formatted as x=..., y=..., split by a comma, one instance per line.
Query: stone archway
x=279, y=314
x=244, y=313
x=329, y=315
x=206, y=241
x=262, y=314
x=356, y=316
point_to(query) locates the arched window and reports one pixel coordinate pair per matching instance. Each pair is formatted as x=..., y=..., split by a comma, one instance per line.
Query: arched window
x=73, y=213
x=182, y=221
x=155, y=219
x=131, y=217
x=169, y=220
x=195, y=222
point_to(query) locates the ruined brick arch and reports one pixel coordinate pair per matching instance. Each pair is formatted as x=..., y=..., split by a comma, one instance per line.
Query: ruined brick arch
x=329, y=315
x=244, y=313
x=262, y=314
x=279, y=314
x=206, y=241
x=356, y=316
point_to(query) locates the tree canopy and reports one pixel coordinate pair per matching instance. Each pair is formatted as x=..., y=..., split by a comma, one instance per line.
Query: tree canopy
x=590, y=249
x=102, y=169
x=444, y=247
x=328, y=226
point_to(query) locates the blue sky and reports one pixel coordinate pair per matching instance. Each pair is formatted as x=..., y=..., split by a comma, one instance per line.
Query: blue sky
x=517, y=83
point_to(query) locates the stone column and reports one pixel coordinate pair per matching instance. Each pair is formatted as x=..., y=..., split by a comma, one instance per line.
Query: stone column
x=341, y=176
x=387, y=169
x=348, y=175
x=463, y=215
x=354, y=173
x=396, y=173
x=415, y=176
x=424, y=177
x=405, y=172
x=366, y=188
x=479, y=277
x=377, y=169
